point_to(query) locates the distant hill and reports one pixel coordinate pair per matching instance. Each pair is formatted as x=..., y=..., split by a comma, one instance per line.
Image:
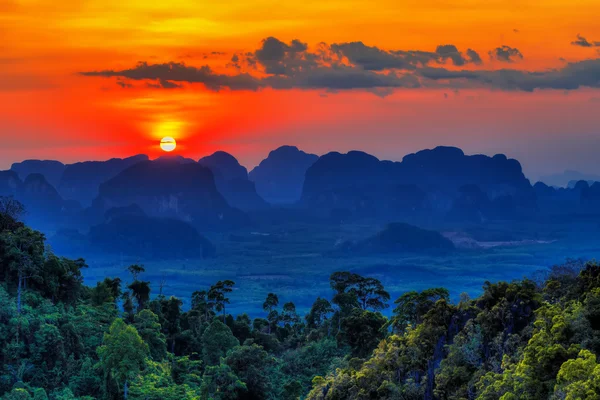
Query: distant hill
x=44, y=205
x=279, y=178
x=80, y=181
x=401, y=238
x=364, y=185
x=566, y=177
x=168, y=188
x=52, y=170
x=129, y=231
x=232, y=181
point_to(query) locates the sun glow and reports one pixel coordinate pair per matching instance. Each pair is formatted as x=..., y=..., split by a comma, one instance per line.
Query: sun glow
x=168, y=144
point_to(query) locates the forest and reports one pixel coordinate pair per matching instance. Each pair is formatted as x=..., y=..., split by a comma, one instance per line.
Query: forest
x=535, y=338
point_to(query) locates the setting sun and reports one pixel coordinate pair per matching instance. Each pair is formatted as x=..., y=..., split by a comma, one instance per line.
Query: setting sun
x=168, y=144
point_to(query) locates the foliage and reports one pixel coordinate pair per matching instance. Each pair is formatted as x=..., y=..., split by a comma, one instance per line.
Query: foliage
x=62, y=340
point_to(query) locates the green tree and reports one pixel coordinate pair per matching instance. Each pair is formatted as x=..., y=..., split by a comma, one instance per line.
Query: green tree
x=141, y=293
x=579, y=378
x=361, y=330
x=253, y=365
x=135, y=270
x=146, y=323
x=217, y=295
x=217, y=339
x=412, y=306
x=122, y=355
x=271, y=302
x=11, y=212
x=25, y=253
x=319, y=315
x=221, y=383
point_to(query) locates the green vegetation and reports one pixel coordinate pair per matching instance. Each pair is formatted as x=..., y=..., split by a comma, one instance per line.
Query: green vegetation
x=63, y=340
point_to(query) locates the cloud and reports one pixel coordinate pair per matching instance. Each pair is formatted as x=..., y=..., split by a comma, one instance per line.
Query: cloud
x=474, y=57
x=505, y=54
x=346, y=66
x=179, y=72
x=164, y=84
x=124, y=85
x=372, y=58
x=449, y=51
x=583, y=42
x=279, y=58
x=573, y=76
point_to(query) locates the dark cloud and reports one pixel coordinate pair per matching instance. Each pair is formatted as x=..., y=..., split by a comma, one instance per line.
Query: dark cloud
x=346, y=66
x=124, y=85
x=179, y=72
x=506, y=54
x=450, y=51
x=573, y=76
x=279, y=58
x=474, y=57
x=583, y=42
x=164, y=84
x=372, y=58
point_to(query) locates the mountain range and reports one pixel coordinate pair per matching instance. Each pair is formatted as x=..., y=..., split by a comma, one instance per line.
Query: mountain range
x=216, y=193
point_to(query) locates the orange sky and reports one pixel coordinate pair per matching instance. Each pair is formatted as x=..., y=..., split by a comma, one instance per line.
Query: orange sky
x=49, y=110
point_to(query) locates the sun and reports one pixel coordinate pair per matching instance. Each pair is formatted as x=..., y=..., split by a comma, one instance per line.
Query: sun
x=168, y=144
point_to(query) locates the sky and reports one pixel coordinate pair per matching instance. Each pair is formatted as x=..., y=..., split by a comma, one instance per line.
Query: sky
x=96, y=79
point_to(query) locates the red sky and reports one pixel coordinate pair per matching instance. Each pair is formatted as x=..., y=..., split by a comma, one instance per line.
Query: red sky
x=71, y=87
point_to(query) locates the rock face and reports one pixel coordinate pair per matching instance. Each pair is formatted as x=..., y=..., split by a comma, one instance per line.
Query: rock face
x=280, y=177
x=52, y=170
x=170, y=189
x=400, y=238
x=80, y=181
x=440, y=180
x=232, y=181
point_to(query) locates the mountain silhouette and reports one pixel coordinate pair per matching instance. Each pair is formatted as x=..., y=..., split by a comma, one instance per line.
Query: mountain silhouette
x=129, y=231
x=80, y=181
x=169, y=188
x=52, y=170
x=232, y=181
x=361, y=183
x=43, y=204
x=400, y=238
x=279, y=177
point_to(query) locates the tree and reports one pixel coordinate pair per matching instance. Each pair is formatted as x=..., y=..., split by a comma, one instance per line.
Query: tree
x=362, y=331
x=353, y=290
x=107, y=291
x=319, y=313
x=217, y=339
x=269, y=305
x=122, y=354
x=253, y=365
x=289, y=315
x=579, y=378
x=200, y=302
x=220, y=383
x=25, y=252
x=11, y=212
x=412, y=306
x=146, y=323
x=135, y=270
x=141, y=293
x=217, y=295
